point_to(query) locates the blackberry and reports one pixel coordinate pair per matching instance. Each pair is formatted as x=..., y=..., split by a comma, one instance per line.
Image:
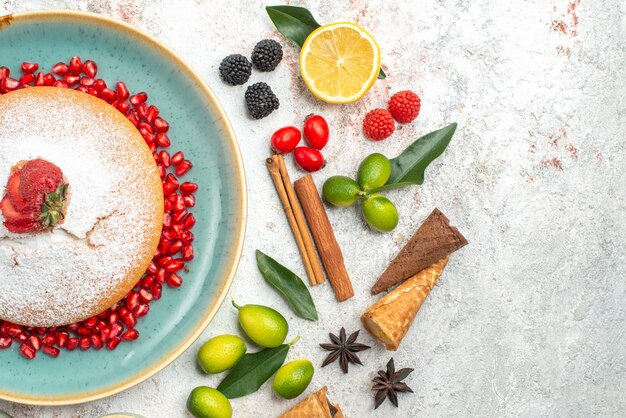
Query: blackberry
x=267, y=55
x=260, y=100
x=235, y=69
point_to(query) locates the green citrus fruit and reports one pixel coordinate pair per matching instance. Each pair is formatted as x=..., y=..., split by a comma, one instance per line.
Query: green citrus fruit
x=293, y=378
x=206, y=402
x=264, y=325
x=374, y=171
x=380, y=213
x=221, y=353
x=341, y=191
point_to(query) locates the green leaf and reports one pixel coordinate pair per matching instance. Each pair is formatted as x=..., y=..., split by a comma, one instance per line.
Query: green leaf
x=253, y=370
x=289, y=285
x=408, y=167
x=296, y=23
x=381, y=74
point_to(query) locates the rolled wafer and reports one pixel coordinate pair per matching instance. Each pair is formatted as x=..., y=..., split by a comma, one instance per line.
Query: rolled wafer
x=315, y=406
x=389, y=319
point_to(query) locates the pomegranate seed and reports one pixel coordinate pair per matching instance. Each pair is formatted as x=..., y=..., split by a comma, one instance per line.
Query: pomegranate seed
x=163, y=140
x=116, y=329
x=161, y=170
x=174, y=280
x=76, y=65
x=83, y=331
x=168, y=188
x=48, y=79
x=108, y=94
x=72, y=343
x=35, y=342
x=152, y=113
x=176, y=247
x=87, y=81
x=60, y=68
x=91, y=322
x=27, y=79
x=175, y=265
x=61, y=84
x=179, y=206
x=142, y=310
x=164, y=246
x=130, y=335
x=147, y=282
x=100, y=325
x=180, y=216
x=29, y=67
x=9, y=84
x=132, y=300
x=84, y=343
x=12, y=330
x=51, y=351
x=178, y=158
x=113, y=343
x=27, y=351
x=161, y=125
x=188, y=187
x=49, y=339
x=113, y=318
x=4, y=72
x=161, y=275
x=96, y=341
x=142, y=110
x=72, y=327
x=156, y=291
x=188, y=253
x=90, y=68
x=105, y=334
x=122, y=90
x=145, y=295
x=164, y=156
x=122, y=106
x=5, y=342
x=62, y=338
x=189, y=221
x=189, y=200
x=138, y=98
x=71, y=80
x=123, y=311
x=172, y=179
x=129, y=320
x=183, y=168
x=187, y=236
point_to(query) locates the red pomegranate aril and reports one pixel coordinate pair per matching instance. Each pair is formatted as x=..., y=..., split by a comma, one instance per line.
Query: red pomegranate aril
x=145, y=295
x=96, y=341
x=189, y=222
x=61, y=84
x=172, y=179
x=132, y=117
x=100, y=325
x=83, y=331
x=129, y=320
x=188, y=253
x=189, y=200
x=178, y=158
x=163, y=140
x=51, y=351
x=84, y=343
x=87, y=81
x=161, y=275
x=108, y=94
x=142, y=110
x=161, y=171
x=122, y=106
x=9, y=84
x=113, y=317
x=163, y=261
x=90, y=68
x=105, y=334
x=175, y=247
x=174, y=280
x=29, y=67
x=99, y=84
x=130, y=335
x=35, y=342
x=4, y=72
x=138, y=98
x=60, y=68
x=179, y=206
x=177, y=230
x=48, y=339
x=152, y=113
x=186, y=236
x=27, y=79
x=164, y=156
x=113, y=343
x=156, y=291
x=91, y=322
x=132, y=300
x=76, y=65
x=188, y=187
x=161, y=125
x=180, y=216
x=123, y=311
x=122, y=90
x=146, y=126
x=5, y=342
x=62, y=338
x=167, y=219
x=116, y=329
x=168, y=188
x=142, y=310
x=27, y=351
x=48, y=79
x=147, y=135
x=72, y=327
x=147, y=281
x=71, y=80
x=164, y=246
x=183, y=168
x=72, y=343
x=167, y=233
x=175, y=265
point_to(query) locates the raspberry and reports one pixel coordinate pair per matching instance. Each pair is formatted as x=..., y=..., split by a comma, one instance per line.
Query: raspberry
x=378, y=124
x=404, y=106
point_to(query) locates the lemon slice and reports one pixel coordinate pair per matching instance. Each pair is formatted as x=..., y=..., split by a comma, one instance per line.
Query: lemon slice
x=339, y=62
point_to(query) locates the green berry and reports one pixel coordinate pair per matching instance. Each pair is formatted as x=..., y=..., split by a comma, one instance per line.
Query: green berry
x=341, y=191
x=264, y=325
x=221, y=353
x=380, y=213
x=293, y=378
x=206, y=402
x=374, y=171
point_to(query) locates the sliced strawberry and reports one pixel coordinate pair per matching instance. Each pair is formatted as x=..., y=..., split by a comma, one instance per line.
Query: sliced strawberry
x=18, y=222
x=8, y=210
x=13, y=190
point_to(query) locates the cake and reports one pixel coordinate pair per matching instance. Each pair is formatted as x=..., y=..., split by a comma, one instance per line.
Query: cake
x=99, y=216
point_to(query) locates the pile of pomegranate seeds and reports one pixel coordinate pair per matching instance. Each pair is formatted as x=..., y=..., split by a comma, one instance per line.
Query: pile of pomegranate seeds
x=175, y=249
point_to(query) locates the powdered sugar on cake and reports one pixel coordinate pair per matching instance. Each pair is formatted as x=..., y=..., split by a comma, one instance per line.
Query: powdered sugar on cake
x=43, y=277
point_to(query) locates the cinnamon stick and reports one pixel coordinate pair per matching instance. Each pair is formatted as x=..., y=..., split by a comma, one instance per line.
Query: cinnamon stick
x=324, y=237
x=280, y=177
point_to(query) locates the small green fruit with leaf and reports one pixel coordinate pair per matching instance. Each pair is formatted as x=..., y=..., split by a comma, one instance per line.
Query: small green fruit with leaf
x=378, y=173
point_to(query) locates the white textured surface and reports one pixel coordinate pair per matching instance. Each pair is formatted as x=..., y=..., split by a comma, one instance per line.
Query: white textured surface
x=529, y=319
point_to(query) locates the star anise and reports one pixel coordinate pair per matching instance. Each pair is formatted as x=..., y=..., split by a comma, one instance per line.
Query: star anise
x=390, y=383
x=343, y=348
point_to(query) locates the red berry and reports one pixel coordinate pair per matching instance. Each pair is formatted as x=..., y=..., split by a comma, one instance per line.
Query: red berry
x=309, y=158
x=285, y=139
x=378, y=124
x=404, y=106
x=316, y=131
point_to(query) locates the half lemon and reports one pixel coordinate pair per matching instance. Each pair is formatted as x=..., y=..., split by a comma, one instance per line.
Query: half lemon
x=339, y=62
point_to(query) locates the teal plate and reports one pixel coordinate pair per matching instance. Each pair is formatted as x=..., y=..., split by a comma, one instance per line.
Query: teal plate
x=201, y=130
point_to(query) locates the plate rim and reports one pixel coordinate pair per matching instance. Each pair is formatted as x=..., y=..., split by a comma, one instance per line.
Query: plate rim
x=241, y=193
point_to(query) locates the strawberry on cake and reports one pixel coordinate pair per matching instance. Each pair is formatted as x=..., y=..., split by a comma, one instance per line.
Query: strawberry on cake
x=82, y=207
